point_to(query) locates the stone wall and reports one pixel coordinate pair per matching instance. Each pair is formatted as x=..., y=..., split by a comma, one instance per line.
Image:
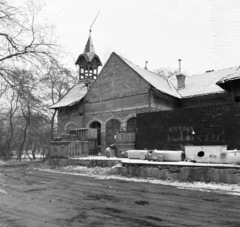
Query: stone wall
x=189, y=174
x=84, y=162
x=218, y=174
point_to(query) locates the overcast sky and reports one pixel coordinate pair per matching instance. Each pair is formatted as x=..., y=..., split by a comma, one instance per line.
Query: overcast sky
x=205, y=34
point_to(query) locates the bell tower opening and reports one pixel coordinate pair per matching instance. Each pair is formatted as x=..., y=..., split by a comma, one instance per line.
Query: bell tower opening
x=88, y=63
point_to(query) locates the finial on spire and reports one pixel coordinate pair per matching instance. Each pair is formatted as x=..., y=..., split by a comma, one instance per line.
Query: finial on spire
x=90, y=30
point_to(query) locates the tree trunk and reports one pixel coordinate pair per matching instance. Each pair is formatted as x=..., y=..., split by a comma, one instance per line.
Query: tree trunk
x=52, y=123
x=27, y=152
x=33, y=152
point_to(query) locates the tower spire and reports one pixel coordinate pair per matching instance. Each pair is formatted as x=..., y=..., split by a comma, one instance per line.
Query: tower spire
x=88, y=62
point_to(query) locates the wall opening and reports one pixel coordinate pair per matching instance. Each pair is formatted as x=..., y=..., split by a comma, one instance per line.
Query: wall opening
x=70, y=127
x=97, y=125
x=132, y=124
x=112, y=127
x=200, y=154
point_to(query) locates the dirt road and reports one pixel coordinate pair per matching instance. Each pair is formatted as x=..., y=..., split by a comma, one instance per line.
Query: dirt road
x=30, y=198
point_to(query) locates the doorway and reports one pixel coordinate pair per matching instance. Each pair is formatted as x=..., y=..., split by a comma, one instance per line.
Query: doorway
x=112, y=127
x=97, y=125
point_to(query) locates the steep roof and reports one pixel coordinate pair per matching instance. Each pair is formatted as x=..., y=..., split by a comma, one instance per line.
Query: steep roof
x=89, y=46
x=203, y=84
x=195, y=85
x=156, y=81
x=89, y=53
x=72, y=97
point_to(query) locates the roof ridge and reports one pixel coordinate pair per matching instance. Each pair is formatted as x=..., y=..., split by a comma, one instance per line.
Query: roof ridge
x=139, y=66
x=215, y=70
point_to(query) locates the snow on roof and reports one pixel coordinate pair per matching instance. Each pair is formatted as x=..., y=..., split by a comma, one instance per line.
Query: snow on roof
x=203, y=84
x=235, y=75
x=156, y=81
x=73, y=96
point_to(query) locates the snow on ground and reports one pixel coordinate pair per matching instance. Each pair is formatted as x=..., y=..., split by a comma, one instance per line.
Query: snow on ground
x=143, y=162
x=3, y=191
x=102, y=173
x=2, y=163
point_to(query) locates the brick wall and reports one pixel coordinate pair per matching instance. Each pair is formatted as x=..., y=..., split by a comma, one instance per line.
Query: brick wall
x=163, y=102
x=118, y=104
x=116, y=78
x=120, y=93
x=72, y=115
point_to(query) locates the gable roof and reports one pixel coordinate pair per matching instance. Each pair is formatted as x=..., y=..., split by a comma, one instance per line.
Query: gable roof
x=203, y=84
x=156, y=81
x=195, y=85
x=73, y=96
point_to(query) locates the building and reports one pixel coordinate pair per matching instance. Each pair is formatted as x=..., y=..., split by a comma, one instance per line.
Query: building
x=112, y=99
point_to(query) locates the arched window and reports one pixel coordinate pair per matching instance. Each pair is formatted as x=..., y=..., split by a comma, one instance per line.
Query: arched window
x=132, y=124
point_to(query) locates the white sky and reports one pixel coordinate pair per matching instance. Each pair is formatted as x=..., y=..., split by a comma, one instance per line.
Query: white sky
x=205, y=34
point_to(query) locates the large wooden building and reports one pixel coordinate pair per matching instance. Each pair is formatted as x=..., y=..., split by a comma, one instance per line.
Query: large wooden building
x=110, y=100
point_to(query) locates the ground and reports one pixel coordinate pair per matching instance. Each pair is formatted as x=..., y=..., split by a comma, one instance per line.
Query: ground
x=32, y=194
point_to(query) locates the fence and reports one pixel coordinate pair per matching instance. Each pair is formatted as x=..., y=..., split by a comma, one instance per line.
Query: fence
x=125, y=141
x=80, y=142
x=84, y=133
x=64, y=149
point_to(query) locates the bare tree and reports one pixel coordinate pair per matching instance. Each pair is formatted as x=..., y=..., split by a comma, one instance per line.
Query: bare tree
x=167, y=73
x=24, y=39
x=58, y=80
x=9, y=124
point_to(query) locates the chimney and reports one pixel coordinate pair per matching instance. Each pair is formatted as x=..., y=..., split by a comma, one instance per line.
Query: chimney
x=180, y=77
x=146, y=64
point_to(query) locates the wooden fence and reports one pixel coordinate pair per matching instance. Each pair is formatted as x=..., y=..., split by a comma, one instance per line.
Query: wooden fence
x=64, y=149
x=84, y=133
x=80, y=142
x=125, y=141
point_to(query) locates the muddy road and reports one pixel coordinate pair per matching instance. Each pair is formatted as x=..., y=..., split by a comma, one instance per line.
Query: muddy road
x=30, y=197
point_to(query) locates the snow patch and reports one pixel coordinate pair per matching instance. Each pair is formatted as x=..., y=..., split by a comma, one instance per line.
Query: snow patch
x=3, y=191
x=102, y=173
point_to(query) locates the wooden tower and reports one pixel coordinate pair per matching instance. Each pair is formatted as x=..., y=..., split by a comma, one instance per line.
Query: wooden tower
x=88, y=63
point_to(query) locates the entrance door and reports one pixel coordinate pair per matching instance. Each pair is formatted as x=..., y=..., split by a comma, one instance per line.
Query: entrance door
x=112, y=127
x=97, y=125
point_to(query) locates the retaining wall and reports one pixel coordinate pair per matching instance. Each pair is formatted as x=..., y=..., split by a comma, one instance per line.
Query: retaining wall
x=84, y=162
x=190, y=174
x=218, y=174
